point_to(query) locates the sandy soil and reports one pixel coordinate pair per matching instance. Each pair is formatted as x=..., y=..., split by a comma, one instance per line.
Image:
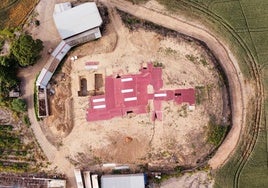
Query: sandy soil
x=61, y=124
x=221, y=51
x=170, y=142
x=182, y=25
x=196, y=180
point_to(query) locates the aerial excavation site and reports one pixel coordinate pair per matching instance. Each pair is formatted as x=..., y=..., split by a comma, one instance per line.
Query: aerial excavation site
x=127, y=94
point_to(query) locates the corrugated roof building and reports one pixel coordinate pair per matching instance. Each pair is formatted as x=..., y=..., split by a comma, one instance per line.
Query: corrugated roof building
x=76, y=20
x=76, y=25
x=123, y=181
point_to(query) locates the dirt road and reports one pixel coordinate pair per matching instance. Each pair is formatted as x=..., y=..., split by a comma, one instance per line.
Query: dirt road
x=220, y=50
x=29, y=74
x=48, y=34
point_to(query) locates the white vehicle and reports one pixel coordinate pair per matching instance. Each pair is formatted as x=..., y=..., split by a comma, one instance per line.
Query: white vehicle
x=78, y=177
x=88, y=183
x=95, y=182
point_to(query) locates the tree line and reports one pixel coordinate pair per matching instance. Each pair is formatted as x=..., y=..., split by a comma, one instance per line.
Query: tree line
x=23, y=51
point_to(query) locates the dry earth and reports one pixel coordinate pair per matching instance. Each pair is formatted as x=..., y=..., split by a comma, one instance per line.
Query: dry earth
x=196, y=180
x=237, y=85
x=48, y=33
x=180, y=139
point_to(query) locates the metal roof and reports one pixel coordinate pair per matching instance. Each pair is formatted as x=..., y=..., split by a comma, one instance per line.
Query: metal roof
x=43, y=78
x=62, y=7
x=47, y=72
x=129, y=93
x=123, y=181
x=77, y=19
x=61, y=50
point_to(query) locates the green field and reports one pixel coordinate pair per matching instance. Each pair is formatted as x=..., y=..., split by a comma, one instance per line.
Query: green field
x=243, y=24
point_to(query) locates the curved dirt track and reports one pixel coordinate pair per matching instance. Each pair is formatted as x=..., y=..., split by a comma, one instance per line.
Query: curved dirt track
x=221, y=51
x=50, y=37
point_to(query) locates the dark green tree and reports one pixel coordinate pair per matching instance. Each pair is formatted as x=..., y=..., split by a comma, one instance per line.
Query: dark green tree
x=8, y=61
x=26, y=50
x=8, y=76
x=19, y=105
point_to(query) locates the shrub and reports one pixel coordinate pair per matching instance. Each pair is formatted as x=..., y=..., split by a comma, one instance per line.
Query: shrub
x=26, y=120
x=27, y=50
x=19, y=105
x=215, y=132
x=37, y=22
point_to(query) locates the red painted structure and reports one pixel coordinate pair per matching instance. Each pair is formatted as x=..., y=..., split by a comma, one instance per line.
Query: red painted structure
x=129, y=94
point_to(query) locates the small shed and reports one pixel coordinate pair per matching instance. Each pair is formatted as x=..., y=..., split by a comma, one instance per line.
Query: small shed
x=14, y=94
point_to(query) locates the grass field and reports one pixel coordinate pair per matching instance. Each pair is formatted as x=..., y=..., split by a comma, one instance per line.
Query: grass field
x=14, y=12
x=244, y=25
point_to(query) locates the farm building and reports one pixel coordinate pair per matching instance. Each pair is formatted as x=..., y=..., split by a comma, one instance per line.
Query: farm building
x=12, y=180
x=76, y=25
x=123, y=181
x=129, y=94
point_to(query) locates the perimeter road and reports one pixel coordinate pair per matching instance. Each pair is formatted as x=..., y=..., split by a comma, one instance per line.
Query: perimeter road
x=220, y=50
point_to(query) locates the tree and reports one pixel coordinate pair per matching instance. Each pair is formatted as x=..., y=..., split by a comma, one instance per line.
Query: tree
x=8, y=76
x=19, y=105
x=8, y=61
x=27, y=50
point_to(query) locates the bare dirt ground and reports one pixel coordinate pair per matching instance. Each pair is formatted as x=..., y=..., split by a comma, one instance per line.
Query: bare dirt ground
x=196, y=180
x=220, y=49
x=184, y=25
x=180, y=139
x=60, y=122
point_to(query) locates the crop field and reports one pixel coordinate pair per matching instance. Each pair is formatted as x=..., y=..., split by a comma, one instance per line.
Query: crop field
x=244, y=25
x=18, y=151
x=14, y=12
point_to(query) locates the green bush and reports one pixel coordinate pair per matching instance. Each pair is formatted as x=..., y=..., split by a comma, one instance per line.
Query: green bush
x=215, y=132
x=18, y=105
x=158, y=64
x=2, y=42
x=26, y=50
x=26, y=120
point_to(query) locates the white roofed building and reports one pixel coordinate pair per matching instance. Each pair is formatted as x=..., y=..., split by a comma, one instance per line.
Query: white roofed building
x=123, y=181
x=78, y=24
x=61, y=7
